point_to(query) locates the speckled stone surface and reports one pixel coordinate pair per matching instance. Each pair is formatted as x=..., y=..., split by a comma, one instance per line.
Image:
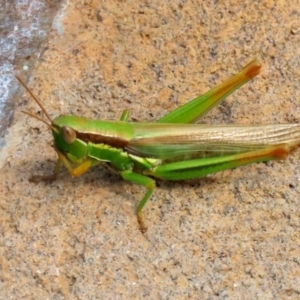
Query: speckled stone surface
x=232, y=235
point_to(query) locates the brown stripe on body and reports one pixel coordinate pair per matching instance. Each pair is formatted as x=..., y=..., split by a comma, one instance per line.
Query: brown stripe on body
x=112, y=141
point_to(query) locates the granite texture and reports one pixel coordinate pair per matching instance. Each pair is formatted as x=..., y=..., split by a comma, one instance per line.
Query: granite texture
x=231, y=235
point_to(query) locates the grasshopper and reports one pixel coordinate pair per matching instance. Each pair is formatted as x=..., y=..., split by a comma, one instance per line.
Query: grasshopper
x=170, y=149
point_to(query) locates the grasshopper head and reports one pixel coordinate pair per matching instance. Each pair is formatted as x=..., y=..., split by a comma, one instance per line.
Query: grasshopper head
x=65, y=140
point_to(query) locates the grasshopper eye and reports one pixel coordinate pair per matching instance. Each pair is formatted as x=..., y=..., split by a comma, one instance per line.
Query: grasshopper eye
x=69, y=134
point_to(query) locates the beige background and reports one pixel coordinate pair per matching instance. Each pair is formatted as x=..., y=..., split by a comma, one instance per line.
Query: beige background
x=234, y=234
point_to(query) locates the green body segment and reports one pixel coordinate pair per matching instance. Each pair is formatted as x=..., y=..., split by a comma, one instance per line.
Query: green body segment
x=172, y=148
x=209, y=154
x=149, y=148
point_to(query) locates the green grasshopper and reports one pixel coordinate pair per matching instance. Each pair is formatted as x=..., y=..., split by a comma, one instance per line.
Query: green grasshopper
x=171, y=148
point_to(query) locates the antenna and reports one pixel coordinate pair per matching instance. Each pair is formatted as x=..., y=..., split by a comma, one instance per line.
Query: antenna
x=37, y=101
